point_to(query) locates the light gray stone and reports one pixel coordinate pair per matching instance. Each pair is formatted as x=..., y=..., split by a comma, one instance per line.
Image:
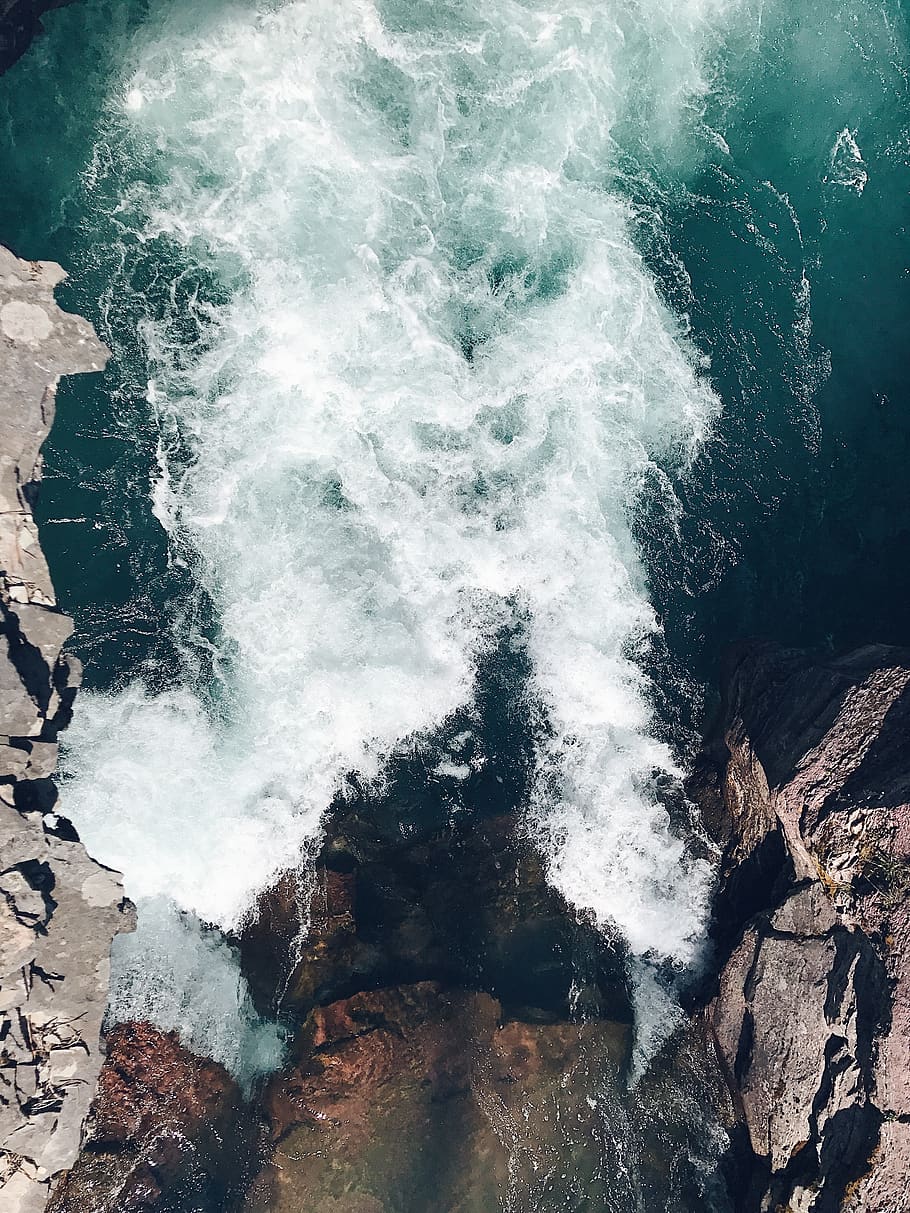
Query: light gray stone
x=59, y=910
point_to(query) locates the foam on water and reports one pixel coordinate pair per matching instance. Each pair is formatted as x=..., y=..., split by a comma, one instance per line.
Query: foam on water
x=441, y=371
x=847, y=167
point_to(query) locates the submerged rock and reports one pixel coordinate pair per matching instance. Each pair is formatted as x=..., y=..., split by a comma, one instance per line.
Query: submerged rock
x=441, y=1055
x=464, y=902
x=417, y=1097
x=59, y=909
x=455, y=1022
x=808, y=790
x=20, y=21
x=461, y=1039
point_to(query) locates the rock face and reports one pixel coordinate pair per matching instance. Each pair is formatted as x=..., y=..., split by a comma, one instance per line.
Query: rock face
x=20, y=21
x=809, y=792
x=58, y=908
x=166, y=1130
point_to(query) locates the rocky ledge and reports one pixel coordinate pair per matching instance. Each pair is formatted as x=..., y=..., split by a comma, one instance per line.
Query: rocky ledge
x=807, y=789
x=59, y=909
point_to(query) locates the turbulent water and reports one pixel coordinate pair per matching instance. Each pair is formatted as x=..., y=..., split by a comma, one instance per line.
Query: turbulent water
x=434, y=323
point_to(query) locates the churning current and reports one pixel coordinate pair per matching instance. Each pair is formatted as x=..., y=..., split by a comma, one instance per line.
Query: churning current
x=420, y=400
x=416, y=411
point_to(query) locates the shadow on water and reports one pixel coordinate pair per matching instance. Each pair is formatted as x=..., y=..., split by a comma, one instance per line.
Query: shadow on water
x=794, y=522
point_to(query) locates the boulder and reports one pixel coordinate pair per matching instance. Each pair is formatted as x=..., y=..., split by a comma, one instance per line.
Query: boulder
x=461, y=1039
x=166, y=1131
x=807, y=790
x=465, y=903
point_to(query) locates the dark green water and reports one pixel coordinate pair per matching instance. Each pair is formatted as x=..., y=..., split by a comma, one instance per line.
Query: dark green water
x=796, y=518
x=795, y=521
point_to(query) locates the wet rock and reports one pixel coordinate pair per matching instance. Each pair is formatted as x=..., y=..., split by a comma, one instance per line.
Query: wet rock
x=461, y=1040
x=466, y=903
x=167, y=1130
x=808, y=792
x=58, y=908
x=437, y=995
x=414, y=1097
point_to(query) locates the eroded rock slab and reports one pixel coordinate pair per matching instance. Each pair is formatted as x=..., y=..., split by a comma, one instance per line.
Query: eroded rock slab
x=59, y=909
x=808, y=790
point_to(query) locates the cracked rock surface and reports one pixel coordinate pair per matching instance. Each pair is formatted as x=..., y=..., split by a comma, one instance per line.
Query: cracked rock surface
x=59, y=910
x=808, y=791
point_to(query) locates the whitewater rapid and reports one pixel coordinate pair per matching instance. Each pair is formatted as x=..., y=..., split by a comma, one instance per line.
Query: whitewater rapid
x=422, y=411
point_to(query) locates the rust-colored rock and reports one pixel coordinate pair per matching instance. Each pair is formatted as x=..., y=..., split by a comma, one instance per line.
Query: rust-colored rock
x=463, y=1039
x=166, y=1131
x=148, y=1080
x=415, y=1097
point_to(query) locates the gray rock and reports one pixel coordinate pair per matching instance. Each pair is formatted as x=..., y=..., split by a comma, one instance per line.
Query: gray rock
x=808, y=792
x=59, y=910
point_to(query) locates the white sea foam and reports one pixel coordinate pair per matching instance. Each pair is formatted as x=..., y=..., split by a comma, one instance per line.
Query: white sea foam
x=846, y=166
x=441, y=371
x=177, y=974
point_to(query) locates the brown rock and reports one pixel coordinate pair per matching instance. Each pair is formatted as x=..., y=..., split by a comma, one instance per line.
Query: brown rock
x=166, y=1131
x=415, y=1097
x=463, y=1039
x=809, y=794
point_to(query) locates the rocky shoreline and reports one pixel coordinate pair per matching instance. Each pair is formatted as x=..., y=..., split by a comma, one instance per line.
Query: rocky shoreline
x=807, y=788
x=59, y=910
x=445, y=1005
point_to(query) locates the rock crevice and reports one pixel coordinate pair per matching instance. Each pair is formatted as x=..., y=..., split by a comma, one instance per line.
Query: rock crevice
x=807, y=789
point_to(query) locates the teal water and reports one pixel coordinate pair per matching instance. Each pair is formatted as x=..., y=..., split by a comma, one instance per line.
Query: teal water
x=794, y=518
x=790, y=257
x=433, y=323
